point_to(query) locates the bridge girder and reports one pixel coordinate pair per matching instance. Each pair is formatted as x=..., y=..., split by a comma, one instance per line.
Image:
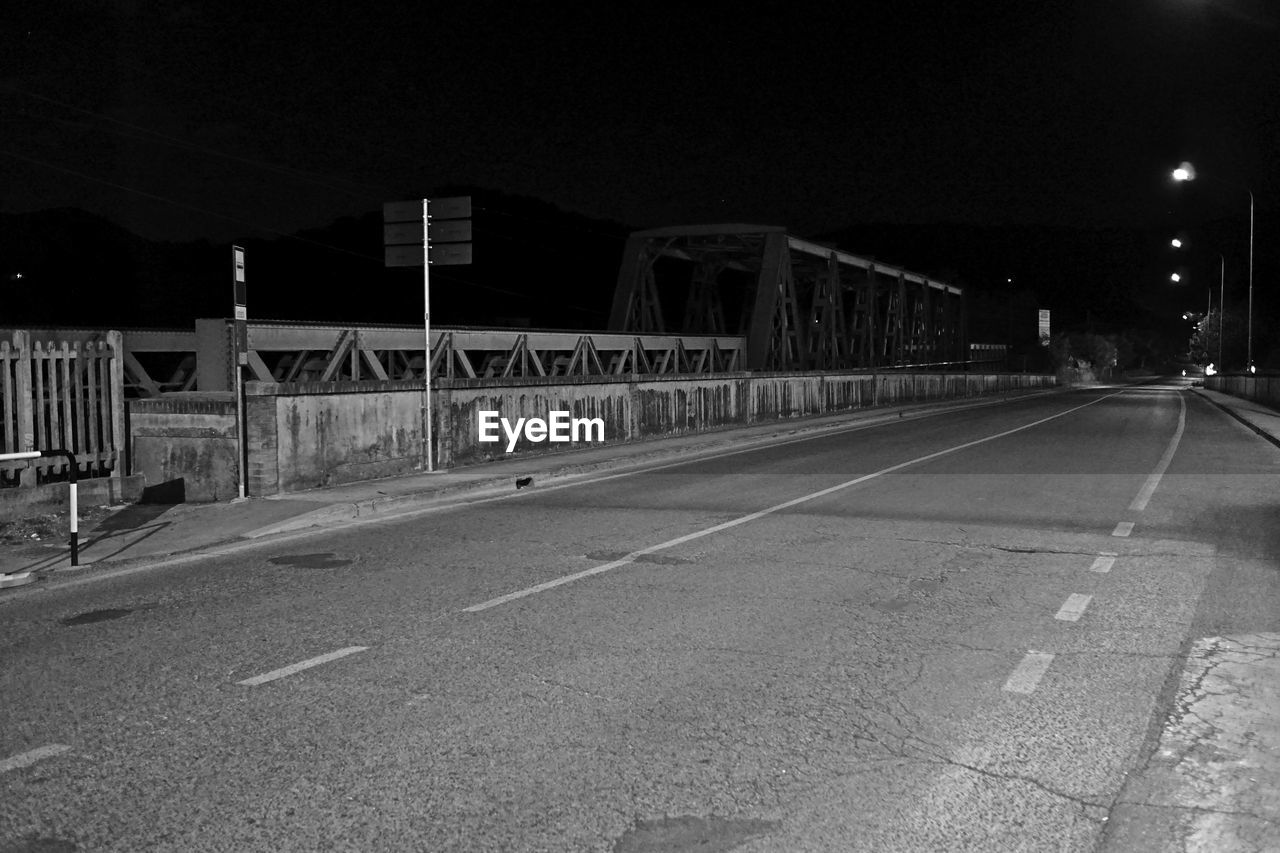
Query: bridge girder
x=803, y=305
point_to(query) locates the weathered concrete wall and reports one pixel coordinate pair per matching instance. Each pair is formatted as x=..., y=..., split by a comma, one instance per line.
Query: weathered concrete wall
x=309, y=434
x=304, y=435
x=56, y=497
x=458, y=404
x=1262, y=389
x=653, y=406
x=184, y=446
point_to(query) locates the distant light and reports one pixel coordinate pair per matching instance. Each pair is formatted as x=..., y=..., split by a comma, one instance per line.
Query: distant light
x=1176, y=243
x=1210, y=370
x=1185, y=172
x=1175, y=277
x=1253, y=368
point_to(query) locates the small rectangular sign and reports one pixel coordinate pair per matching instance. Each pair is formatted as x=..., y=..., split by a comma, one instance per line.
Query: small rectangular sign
x=449, y=231
x=403, y=256
x=239, y=289
x=455, y=207
x=241, y=313
x=1044, y=327
x=402, y=211
x=402, y=233
x=451, y=254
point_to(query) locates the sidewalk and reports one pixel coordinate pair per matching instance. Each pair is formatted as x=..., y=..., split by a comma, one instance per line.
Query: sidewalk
x=1257, y=417
x=142, y=533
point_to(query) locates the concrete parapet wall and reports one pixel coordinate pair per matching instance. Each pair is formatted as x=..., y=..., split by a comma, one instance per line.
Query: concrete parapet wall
x=646, y=407
x=302, y=435
x=184, y=446
x=1261, y=389
x=305, y=435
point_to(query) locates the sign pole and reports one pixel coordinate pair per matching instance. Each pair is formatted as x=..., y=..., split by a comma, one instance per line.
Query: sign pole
x=426, y=333
x=240, y=356
x=405, y=246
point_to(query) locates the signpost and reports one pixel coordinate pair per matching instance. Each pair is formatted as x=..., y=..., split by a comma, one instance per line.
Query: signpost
x=422, y=233
x=1044, y=327
x=240, y=336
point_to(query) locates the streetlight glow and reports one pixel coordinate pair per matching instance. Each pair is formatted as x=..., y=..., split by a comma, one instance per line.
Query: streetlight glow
x=1175, y=277
x=1175, y=243
x=1185, y=172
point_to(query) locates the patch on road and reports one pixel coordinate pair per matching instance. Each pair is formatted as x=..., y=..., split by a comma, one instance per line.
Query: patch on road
x=689, y=833
x=1212, y=781
x=40, y=845
x=103, y=615
x=325, y=560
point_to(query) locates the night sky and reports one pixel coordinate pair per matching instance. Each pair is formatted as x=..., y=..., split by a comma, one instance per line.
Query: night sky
x=288, y=115
x=231, y=120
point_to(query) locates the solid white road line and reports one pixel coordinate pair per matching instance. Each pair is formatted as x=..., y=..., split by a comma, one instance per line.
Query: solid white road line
x=1028, y=673
x=1148, y=488
x=1074, y=607
x=26, y=759
x=680, y=540
x=1103, y=563
x=1124, y=528
x=298, y=667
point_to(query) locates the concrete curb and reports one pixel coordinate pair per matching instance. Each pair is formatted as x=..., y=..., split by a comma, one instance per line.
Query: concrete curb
x=1241, y=418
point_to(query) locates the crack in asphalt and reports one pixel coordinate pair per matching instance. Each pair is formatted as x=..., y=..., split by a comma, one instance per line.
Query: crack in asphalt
x=1200, y=810
x=1083, y=804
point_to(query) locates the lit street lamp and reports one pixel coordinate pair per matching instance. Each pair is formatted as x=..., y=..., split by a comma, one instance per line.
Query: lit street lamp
x=1187, y=172
x=1222, y=296
x=1175, y=278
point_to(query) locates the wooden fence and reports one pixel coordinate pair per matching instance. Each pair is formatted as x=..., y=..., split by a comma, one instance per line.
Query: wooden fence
x=61, y=395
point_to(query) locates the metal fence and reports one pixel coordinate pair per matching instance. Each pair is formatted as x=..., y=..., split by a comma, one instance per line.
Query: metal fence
x=60, y=394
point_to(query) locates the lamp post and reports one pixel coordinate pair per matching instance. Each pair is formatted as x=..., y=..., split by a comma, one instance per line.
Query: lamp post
x=1187, y=172
x=1222, y=302
x=1250, y=357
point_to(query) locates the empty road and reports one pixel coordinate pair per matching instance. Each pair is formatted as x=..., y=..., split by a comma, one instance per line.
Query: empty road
x=963, y=631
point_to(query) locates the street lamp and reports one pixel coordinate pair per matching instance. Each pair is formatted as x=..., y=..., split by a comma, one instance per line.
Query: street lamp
x=1222, y=297
x=1187, y=172
x=1175, y=278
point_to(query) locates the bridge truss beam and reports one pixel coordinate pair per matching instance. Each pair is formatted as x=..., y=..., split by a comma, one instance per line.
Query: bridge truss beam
x=802, y=305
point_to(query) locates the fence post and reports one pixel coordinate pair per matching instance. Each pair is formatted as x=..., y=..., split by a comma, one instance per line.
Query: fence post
x=26, y=415
x=115, y=340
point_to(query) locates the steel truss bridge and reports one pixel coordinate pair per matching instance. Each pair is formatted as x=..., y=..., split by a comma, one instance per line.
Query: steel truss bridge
x=158, y=361
x=798, y=304
x=688, y=300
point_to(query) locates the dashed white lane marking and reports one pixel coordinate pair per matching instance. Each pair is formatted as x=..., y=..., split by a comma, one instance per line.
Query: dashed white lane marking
x=1103, y=563
x=1148, y=488
x=1074, y=607
x=298, y=667
x=698, y=534
x=26, y=759
x=1124, y=528
x=1028, y=673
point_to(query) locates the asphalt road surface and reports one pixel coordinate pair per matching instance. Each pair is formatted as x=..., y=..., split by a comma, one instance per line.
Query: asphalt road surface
x=964, y=631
